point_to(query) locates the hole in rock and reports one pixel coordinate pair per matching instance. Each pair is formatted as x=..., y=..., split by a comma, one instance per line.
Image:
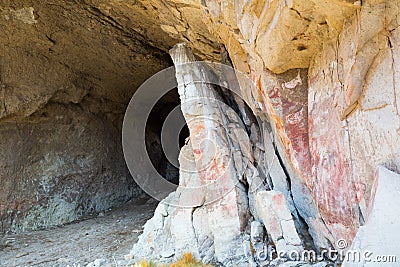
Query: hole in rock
x=62, y=161
x=301, y=48
x=168, y=105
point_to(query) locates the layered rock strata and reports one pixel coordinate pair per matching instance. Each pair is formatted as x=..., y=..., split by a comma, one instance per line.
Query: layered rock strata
x=324, y=89
x=331, y=120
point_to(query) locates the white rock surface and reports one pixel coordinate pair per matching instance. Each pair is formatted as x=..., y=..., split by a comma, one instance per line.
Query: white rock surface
x=212, y=203
x=380, y=236
x=278, y=221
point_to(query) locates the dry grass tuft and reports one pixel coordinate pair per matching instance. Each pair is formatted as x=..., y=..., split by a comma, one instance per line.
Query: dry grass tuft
x=145, y=263
x=187, y=260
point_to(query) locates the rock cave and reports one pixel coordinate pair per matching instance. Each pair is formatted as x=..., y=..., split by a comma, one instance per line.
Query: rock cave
x=291, y=142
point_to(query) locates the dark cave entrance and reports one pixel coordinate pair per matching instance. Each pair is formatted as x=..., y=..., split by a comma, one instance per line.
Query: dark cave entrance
x=168, y=103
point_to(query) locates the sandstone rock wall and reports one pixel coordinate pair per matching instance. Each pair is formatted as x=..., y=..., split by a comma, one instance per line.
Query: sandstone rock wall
x=210, y=212
x=349, y=114
x=67, y=72
x=328, y=122
x=325, y=82
x=59, y=165
x=324, y=85
x=211, y=193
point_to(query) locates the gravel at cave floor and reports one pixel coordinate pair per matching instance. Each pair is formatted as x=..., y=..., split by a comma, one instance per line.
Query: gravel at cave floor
x=109, y=235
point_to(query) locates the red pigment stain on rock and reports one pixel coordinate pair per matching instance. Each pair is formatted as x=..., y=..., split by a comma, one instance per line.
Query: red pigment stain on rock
x=292, y=129
x=324, y=167
x=275, y=225
x=333, y=186
x=197, y=151
x=296, y=126
x=269, y=109
x=230, y=208
x=278, y=199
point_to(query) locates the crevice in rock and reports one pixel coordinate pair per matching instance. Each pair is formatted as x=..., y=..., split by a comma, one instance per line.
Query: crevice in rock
x=230, y=100
x=300, y=221
x=301, y=16
x=393, y=67
x=154, y=126
x=282, y=165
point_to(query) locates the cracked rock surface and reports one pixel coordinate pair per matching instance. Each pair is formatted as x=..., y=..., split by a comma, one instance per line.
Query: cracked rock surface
x=332, y=114
x=67, y=72
x=299, y=152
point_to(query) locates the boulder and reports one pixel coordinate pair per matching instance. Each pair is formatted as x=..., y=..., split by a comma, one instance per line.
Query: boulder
x=278, y=221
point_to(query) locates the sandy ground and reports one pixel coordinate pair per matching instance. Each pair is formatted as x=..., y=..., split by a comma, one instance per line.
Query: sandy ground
x=109, y=235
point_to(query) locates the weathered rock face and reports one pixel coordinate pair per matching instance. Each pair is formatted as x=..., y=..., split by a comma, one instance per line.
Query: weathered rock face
x=59, y=165
x=372, y=238
x=276, y=35
x=330, y=100
x=211, y=193
x=162, y=23
x=278, y=221
x=67, y=72
x=321, y=128
x=69, y=54
x=357, y=100
x=324, y=84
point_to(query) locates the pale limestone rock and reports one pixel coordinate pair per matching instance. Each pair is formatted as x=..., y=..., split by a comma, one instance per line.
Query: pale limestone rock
x=353, y=117
x=379, y=237
x=156, y=240
x=257, y=232
x=257, y=238
x=278, y=220
x=210, y=218
x=275, y=171
x=204, y=114
x=256, y=28
x=24, y=14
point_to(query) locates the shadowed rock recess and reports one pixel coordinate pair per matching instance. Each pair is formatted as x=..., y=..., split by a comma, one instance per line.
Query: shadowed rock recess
x=306, y=150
